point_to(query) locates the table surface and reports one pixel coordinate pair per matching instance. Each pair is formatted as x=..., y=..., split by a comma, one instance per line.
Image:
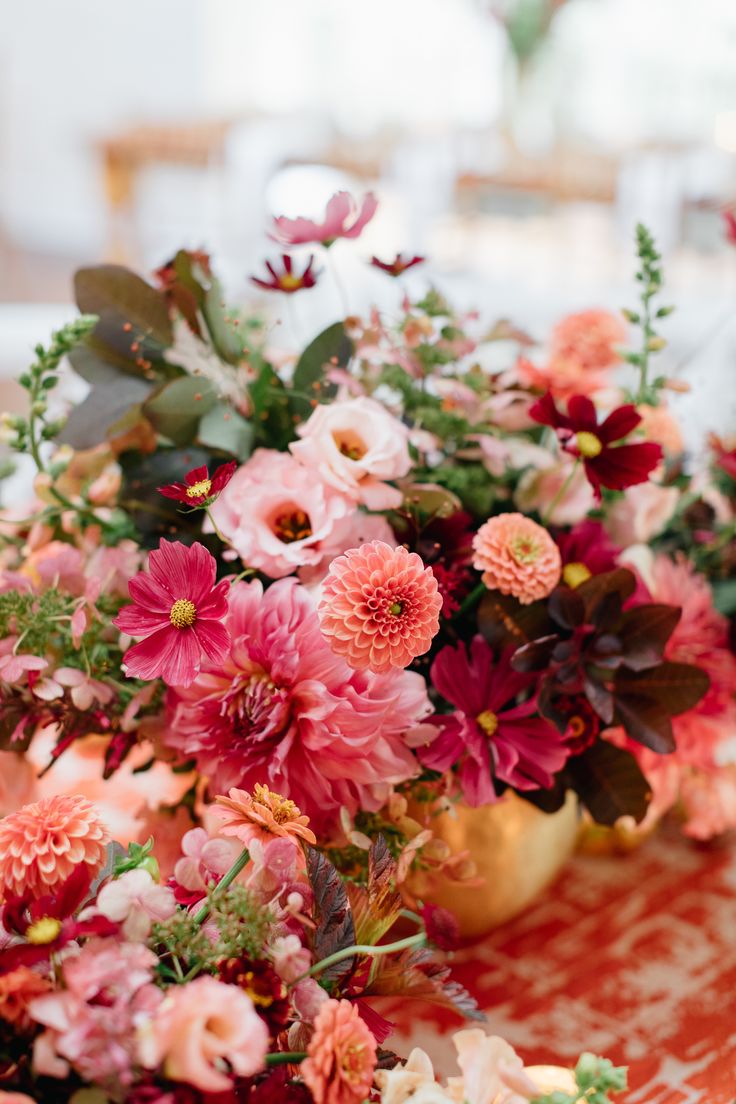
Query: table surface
x=632, y=957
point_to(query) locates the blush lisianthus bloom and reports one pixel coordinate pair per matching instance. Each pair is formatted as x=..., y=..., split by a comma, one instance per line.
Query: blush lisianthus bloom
x=178, y=610
x=356, y=445
x=262, y=815
x=42, y=844
x=489, y=735
x=283, y=710
x=642, y=513
x=341, y=1056
x=517, y=556
x=343, y=219
x=197, y=1028
x=279, y=515
x=380, y=607
x=287, y=280
x=557, y=491
x=135, y=901
x=199, y=487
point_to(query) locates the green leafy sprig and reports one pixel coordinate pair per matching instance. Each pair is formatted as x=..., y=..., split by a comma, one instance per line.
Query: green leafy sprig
x=650, y=278
x=595, y=1079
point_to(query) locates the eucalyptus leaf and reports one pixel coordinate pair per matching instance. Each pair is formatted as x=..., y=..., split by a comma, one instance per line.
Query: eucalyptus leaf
x=114, y=292
x=330, y=349
x=90, y=423
x=225, y=430
x=176, y=409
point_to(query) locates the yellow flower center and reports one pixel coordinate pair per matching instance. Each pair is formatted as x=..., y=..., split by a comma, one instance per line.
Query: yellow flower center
x=487, y=721
x=293, y=526
x=287, y=282
x=573, y=574
x=589, y=445
x=282, y=808
x=350, y=444
x=576, y=725
x=183, y=614
x=524, y=550
x=200, y=489
x=43, y=931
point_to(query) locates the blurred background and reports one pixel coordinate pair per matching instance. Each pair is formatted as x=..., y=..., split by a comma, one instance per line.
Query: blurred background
x=515, y=143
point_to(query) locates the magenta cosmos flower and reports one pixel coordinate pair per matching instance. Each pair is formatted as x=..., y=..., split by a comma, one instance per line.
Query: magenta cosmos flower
x=178, y=610
x=199, y=487
x=343, y=219
x=287, y=280
x=489, y=735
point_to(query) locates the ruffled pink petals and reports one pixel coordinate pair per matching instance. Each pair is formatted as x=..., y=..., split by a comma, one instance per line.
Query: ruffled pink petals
x=343, y=219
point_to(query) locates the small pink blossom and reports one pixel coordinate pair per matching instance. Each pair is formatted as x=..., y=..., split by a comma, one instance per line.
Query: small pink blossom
x=83, y=689
x=135, y=901
x=204, y=860
x=291, y=960
x=14, y=667
x=343, y=219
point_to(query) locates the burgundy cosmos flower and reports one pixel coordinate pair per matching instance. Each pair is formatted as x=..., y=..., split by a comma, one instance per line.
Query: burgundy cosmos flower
x=398, y=266
x=343, y=219
x=287, y=280
x=178, y=611
x=490, y=736
x=580, y=433
x=586, y=550
x=729, y=220
x=199, y=487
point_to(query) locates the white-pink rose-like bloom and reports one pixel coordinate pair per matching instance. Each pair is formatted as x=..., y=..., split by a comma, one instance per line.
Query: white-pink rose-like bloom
x=135, y=901
x=641, y=514
x=199, y=1025
x=539, y=488
x=355, y=446
x=277, y=514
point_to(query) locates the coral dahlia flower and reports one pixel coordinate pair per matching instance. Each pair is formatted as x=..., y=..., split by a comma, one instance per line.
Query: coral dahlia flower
x=179, y=611
x=343, y=219
x=262, y=816
x=199, y=487
x=287, y=280
x=517, y=557
x=606, y=464
x=341, y=1056
x=41, y=844
x=380, y=606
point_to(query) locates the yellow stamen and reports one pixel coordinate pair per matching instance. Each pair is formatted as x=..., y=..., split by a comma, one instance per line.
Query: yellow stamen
x=574, y=574
x=183, y=614
x=589, y=445
x=350, y=444
x=292, y=527
x=287, y=282
x=524, y=550
x=43, y=931
x=487, y=721
x=199, y=490
x=282, y=808
x=576, y=726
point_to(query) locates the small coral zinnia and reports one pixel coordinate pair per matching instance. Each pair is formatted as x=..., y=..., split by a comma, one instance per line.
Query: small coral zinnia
x=42, y=844
x=341, y=1056
x=380, y=606
x=179, y=611
x=517, y=557
x=263, y=815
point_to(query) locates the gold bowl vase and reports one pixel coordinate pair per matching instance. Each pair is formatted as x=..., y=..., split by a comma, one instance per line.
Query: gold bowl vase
x=517, y=849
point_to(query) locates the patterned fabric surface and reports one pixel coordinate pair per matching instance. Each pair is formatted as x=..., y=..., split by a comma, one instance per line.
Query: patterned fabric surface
x=633, y=957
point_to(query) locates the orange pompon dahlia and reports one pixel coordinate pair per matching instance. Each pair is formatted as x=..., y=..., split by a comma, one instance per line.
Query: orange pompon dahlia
x=43, y=843
x=380, y=607
x=517, y=557
x=263, y=815
x=341, y=1056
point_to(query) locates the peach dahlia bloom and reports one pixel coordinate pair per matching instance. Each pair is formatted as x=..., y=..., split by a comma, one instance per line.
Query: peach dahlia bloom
x=17, y=989
x=42, y=843
x=517, y=557
x=380, y=606
x=341, y=1056
x=264, y=815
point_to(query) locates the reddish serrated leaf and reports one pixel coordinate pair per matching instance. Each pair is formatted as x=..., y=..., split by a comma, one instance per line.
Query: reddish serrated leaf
x=335, y=929
x=416, y=974
x=376, y=908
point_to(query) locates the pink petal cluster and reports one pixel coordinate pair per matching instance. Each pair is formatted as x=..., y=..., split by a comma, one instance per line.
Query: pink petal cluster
x=517, y=557
x=204, y=860
x=135, y=901
x=343, y=219
x=583, y=349
x=380, y=607
x=197, y=1028
x=284, y=710
x=341, y=1057
x=354, y=446
x=41, y=844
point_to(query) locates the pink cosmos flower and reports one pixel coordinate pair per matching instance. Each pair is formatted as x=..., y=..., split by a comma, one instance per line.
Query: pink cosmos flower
x=517, y=557
x=282, y=709
x=355, y=446
x=41, y=844
x=489, y=735
x=343, y=219
x=178, y=610
x=199, y=1026
x=380, y=607
x=134, y=900
x=341, y=1056
x=278, y=515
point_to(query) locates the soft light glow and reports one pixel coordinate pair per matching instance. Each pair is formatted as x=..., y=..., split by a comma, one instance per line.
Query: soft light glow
x=725, y=131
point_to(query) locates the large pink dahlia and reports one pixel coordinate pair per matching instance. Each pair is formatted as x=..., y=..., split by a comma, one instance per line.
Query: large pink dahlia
x=283, y=710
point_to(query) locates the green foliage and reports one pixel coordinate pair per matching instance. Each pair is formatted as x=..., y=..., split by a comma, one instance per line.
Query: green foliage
x=595, y=1078
x=650, y=277
x=469, y=481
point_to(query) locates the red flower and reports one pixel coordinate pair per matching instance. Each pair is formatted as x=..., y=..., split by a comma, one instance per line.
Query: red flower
x=198, y=488
x=179, y=612
x=729, y=218
x=441, y=927
x=586, y=550
x=398, y=266
x=724, y=456
x=287, y=281
x=343, y=219
x=583, y=437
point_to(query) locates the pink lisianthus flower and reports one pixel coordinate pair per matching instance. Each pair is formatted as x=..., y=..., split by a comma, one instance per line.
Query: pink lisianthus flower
x=489, y=735
x=278, y=515
x=204, y=860
x=197, y=1027
x=134, y=900
x=343, y=219
x=562, y=495
x=642, y=513
x=355, y=446
x=283, y=710
x=178, y=610
x=349, y=532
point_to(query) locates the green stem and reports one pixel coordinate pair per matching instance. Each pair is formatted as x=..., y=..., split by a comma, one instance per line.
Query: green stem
x=417, y=940
x=286, y=1057
x=215, y=526
x=337, y=282
x=224, y=882
x=472, y=600
x=560, y=493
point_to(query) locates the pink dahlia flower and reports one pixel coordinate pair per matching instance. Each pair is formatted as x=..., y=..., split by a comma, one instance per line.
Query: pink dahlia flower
x=343, y=219
x=341, y=1057
x=489, y=735
x=178, y=610
x=517, y=557
x=278, y=515
x=380, y=606
x=283, y=710
x=42, y=844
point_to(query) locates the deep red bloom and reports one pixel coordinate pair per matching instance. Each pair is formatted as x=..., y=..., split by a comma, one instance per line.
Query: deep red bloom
x=259, y=980
x=490, y=735
x=586, y=550
x=287, y=280
x=179, y=612
x=729, y=218
x=580, y=434
x=398, y=266
x=199, y=487
x=441, y=927
x=724, y=456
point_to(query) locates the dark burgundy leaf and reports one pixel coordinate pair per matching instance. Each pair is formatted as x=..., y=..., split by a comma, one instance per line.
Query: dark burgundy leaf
x=610, y=783
x=646, y=721
x=549, y=801
x=644, y=632
x=600, y=697
x=677, y=687
x=335, y=929
x=504, y=621
x=535, y=656
x=594, y=590
x=566, y=607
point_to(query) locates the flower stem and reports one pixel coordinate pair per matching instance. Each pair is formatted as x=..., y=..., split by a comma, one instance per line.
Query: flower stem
x=560, y=494
x=224, y=882
x=472, y=599
x=286, y=1057
x=214, y=525
x=338, y=283
x=417, y=940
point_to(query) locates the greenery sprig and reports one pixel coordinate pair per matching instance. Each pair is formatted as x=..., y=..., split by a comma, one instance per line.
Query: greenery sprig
x=650, y=277
x=595, y=1079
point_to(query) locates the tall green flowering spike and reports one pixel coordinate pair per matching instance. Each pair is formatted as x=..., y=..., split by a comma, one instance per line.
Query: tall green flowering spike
x=650, y=278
